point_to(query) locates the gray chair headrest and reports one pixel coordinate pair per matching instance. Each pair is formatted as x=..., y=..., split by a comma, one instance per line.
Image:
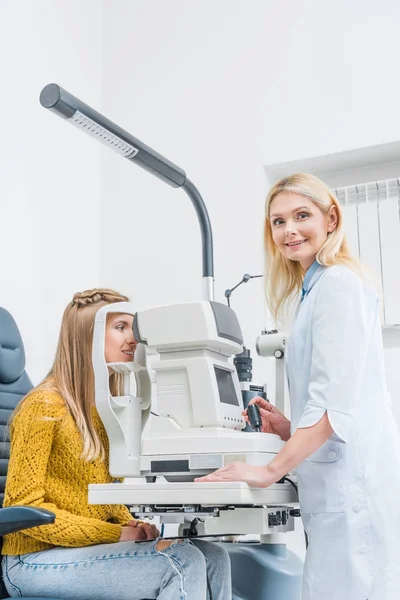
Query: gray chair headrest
x=12, y=354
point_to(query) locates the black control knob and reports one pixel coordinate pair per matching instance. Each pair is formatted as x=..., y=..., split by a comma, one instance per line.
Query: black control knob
x=254, y=416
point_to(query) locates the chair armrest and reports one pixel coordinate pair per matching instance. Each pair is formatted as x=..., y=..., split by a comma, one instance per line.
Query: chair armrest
x=15, y=518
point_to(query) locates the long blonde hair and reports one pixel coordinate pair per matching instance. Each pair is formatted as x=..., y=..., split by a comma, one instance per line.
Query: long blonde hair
x=72, y=373
x=284, y=277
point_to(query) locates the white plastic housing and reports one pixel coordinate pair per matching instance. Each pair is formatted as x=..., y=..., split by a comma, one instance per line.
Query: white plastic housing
x=187, y=325
x=122, y=415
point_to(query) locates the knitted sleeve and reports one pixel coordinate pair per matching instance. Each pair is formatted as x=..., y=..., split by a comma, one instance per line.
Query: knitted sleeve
x=32, y=434
x=121, y=514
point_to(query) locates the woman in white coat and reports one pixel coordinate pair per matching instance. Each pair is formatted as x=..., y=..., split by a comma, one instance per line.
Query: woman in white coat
x=342, y=439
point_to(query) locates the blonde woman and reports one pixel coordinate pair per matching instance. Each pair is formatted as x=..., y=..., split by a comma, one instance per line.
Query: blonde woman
x=342, y=438
x=59, y=446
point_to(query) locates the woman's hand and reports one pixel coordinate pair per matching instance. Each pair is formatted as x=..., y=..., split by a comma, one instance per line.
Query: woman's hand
x=138, y=530
x=260, y=477
x=273, y=421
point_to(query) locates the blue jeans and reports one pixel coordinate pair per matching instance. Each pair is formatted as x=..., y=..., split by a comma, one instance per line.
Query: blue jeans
x=186, y=570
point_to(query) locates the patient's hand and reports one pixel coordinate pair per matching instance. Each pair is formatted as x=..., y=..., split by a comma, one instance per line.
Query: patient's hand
x=138, y=530
x=273, y=421
x=132, y=534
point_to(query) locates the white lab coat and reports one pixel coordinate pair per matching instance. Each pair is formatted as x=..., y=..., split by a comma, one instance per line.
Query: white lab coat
x=349, y=489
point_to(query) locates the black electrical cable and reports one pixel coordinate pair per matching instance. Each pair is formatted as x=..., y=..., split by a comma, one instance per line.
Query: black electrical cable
x=291, y=483
x=297, y=492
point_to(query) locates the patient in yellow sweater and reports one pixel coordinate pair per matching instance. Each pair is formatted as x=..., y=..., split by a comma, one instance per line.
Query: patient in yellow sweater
x=59, y=446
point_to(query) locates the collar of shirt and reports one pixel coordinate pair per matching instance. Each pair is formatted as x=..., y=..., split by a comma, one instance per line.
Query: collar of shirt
x=307, y=279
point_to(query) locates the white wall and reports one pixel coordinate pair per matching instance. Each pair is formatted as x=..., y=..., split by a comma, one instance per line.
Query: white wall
x=190, y=83
x=333, y=84
x=223, y=89
x=50, y=183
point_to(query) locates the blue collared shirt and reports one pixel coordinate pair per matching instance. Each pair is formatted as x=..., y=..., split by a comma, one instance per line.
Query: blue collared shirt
x=307, y=279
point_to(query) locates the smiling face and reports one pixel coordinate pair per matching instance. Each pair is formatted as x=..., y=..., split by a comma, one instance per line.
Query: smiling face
x=299, y=227
x=120, y=344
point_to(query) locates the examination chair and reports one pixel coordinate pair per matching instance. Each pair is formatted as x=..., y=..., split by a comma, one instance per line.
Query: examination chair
x=14, y=384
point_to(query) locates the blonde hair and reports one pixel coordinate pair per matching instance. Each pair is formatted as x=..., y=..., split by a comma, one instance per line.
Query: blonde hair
x=284, y=277
x=72, y=373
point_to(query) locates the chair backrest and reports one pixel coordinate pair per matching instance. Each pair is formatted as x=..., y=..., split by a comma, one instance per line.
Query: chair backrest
x=14, y=384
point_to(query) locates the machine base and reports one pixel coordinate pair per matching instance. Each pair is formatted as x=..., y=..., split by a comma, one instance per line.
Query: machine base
x=137, y=491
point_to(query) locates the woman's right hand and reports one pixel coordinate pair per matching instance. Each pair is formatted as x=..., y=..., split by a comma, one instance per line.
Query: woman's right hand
x=272, y=420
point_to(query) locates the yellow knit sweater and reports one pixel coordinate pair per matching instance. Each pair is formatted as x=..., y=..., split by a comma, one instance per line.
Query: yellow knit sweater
x=46, y=470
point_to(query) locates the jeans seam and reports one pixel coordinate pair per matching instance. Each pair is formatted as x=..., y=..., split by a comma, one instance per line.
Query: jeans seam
x=89, y=560
x=6, y=576
x=135, y=554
